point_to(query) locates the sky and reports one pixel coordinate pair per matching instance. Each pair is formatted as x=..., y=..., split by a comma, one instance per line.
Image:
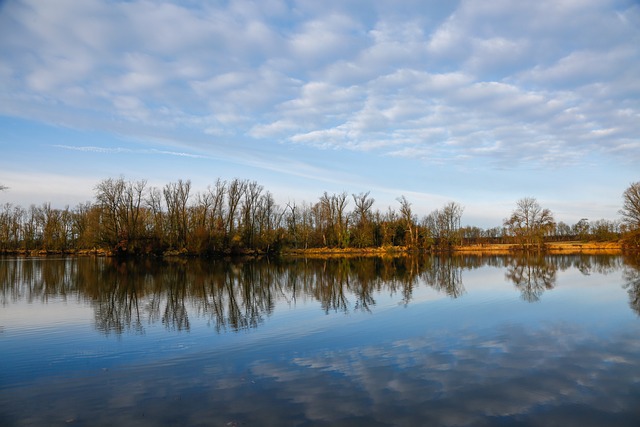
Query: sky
x=477, y=102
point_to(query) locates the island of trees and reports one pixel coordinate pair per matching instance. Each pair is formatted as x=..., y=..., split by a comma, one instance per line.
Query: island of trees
x=240, y=217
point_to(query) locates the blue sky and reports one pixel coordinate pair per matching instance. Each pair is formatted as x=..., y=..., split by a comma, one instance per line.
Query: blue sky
x=477, y=102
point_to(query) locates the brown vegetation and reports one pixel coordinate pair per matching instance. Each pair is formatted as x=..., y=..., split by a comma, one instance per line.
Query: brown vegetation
x=571, y=247
x=239, y=217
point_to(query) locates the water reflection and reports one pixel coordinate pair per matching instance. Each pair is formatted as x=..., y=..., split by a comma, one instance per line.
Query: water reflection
x=444, y=274
x=532, y=276
x=474, y=355
x=127, y=295
x=631, y=276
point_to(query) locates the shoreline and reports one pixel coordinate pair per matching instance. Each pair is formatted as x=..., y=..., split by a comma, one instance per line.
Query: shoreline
x=553, y=248
x=559, y=248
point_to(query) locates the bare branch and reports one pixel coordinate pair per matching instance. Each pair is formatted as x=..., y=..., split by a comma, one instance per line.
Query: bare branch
x=631, y=206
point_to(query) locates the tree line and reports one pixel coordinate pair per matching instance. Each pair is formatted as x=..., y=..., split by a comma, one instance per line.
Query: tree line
x=240, y=216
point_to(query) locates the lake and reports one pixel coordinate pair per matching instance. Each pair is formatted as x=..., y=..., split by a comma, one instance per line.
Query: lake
x=442, y=341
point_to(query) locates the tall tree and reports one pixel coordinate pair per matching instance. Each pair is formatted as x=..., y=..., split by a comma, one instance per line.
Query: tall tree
x=444, y=225
x=581, y=229
x=249, y=210
x=325, y=219
x=156, y=223
x=84, y=225
x=332, y=220
x=109, y=195
x=363, y=235
x=217, y=214
x=270, y=223
x=176, y=197
x=529, y=222
x=300, y=224
x=340, y=202
x=631, y=216
x=11, y=226
x=132, y=210
x=631, y=206
x=406, y=215
x=235, y=191
x=121, y=211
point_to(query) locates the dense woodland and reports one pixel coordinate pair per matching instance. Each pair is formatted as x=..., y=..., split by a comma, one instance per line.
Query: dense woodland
x=240, y=216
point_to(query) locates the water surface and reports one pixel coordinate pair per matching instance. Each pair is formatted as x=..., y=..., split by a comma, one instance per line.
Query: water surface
x=408, y=341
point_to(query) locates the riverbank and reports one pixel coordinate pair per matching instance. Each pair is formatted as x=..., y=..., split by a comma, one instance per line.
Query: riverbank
x=347, y=252
x=574, y=247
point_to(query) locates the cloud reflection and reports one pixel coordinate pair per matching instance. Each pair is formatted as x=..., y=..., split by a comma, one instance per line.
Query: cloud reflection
x=552, y=371
x=526, y=376
x=559, y=375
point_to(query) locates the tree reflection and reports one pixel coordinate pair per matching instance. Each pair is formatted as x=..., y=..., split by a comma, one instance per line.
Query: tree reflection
x=445, y=275
x=128, y=296
x=631, y=276
x=115, y=296
x=176, y=281
x=532, y=275
x=587, y=264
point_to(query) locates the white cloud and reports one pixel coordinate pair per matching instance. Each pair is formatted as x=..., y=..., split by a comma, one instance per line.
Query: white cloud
x=502, y=83
x=324, y=39
x=275, y=129
x=581, y=67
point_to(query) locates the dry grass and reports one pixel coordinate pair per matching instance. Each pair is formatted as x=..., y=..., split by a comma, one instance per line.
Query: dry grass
x=553, y=247
x=347, y=252
x=585, y=247
x=497, y=249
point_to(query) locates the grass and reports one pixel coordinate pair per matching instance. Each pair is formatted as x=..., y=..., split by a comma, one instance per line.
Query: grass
x=572, y=247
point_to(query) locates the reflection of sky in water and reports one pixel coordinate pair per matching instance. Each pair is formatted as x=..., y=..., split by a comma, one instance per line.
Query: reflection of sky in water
x=485, y=358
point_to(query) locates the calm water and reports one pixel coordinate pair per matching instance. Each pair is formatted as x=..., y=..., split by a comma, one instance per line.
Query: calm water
x=434, y=341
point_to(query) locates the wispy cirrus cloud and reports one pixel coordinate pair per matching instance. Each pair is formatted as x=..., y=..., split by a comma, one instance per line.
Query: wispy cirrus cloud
x=122, y=150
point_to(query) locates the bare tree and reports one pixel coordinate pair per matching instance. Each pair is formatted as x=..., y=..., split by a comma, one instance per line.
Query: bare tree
x=84, y=231
x=176, y=196
x=340, y=202
x=235, y=191
x=11, y=226
x=300, y=223
x=270, y=222
x=217, y=213
x=444, y=225
x=332, y=219
x=581, y=229
x=324, y=219
x=631, y=206
x=156, y=221
x=631, y=216
x=132, y=209
x=406, y=215
x=529, y=222
x=109, y=195
x=121, y=202
x=249, y=211
x=363, y=235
